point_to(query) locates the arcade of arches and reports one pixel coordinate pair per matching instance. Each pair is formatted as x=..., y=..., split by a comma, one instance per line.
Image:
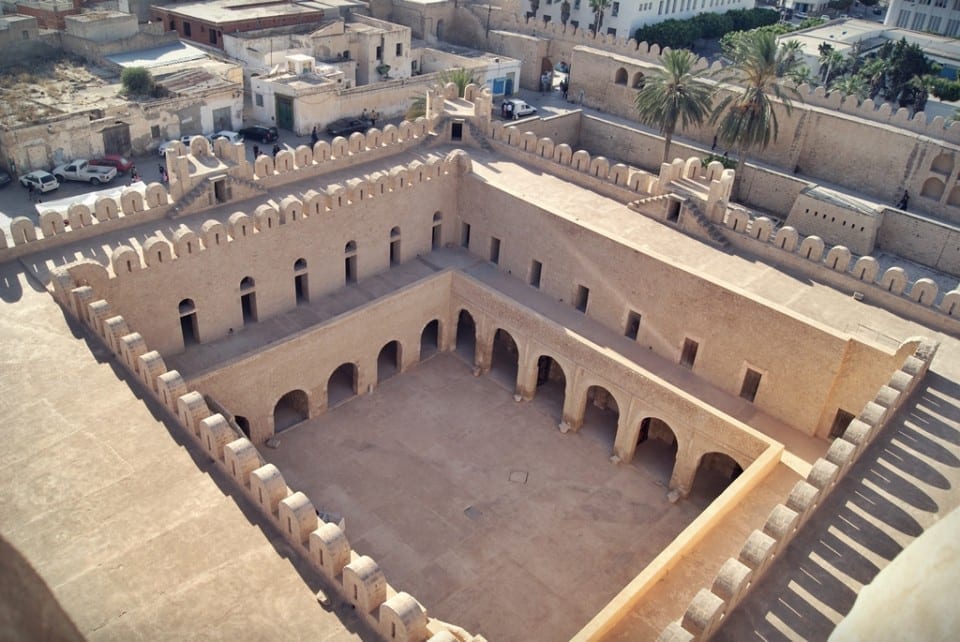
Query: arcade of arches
x=656, y=440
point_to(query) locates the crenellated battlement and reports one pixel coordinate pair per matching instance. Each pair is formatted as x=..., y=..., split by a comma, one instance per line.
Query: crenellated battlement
x=193, y=173
x=213, y=235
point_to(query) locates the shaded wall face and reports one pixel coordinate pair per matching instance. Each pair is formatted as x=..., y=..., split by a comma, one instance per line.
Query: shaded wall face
x=799, y=363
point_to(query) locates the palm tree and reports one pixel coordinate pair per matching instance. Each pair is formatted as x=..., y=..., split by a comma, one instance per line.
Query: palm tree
x=674, y=93
x=801, y=74
x=853, y=86
x=747, y=117
x=831, y=63
x=458, y=76
x=598, y=7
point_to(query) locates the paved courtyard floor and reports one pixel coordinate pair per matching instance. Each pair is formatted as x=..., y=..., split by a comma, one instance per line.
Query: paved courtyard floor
x=477, y=505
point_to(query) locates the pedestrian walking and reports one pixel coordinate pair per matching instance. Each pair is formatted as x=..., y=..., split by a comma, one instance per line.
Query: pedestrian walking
x=30, y=189
x=276, y=150
x=714, y=146
x=904, y=200
x=373, y=118
x=256, y=151
x=314, y=136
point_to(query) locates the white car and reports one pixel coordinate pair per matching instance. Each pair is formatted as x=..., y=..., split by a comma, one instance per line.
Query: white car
x=233, y=137
x=162, y=150
x=42, y=181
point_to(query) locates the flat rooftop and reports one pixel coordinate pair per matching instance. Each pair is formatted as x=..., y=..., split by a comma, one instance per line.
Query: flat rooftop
x=226, y=11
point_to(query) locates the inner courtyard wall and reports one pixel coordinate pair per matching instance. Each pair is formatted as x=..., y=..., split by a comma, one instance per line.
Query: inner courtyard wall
x=734, y=332
x=211, y=276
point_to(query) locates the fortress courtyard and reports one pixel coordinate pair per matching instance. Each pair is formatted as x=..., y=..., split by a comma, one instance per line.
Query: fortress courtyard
x=444, y=460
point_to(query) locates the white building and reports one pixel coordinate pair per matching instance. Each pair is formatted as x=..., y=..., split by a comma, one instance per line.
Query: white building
x=623, y=18
x=936, y=16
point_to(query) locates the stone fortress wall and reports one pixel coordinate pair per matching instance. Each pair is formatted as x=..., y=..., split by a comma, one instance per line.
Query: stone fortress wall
x=919, y=298
x=357, y=579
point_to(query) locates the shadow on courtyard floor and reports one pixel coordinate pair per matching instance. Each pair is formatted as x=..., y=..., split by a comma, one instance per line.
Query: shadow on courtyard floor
x=906, y=477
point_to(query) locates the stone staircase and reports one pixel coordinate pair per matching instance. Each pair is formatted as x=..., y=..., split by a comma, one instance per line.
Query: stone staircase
x=182, y=206
x=711, y=228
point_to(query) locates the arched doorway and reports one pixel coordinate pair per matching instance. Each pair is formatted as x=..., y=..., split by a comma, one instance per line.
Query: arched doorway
x=714, y=473
x=430, y=340
x=621, y=76
x=388, y=361
x=342, y=384
x=466, y=337
x=601, y=417
x=300, y=286
x=290, y=410
x=656, y=450
x=551, y=387
x=505, y=358
x=395, y=246
x=188, y=323
x=350, y=263
x=248, y=300
x=436, y=235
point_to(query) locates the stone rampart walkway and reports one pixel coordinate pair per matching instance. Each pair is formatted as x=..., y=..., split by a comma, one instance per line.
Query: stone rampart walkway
x=901, y=485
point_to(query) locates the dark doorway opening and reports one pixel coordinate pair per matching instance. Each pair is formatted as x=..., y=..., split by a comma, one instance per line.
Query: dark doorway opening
x=505, y=360
x=601, y=417
x=243, y=424
x=342, y=384
x=715, y=472
x=291, y=409
x=188, y=323
x=436, y=238
x=551, y=387
x=656, y=449
x=673, y=211
x=220, y=190
x=466, y=337
x=456, y=131
x=248, y=300
x=840, y=423
x=388, y=361
x=430, y=340
x=300, y=285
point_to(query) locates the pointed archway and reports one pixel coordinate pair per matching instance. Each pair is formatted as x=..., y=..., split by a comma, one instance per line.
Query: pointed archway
x=466, y=337
x=388, y=361
x=714, y=473
x=656, y=451
x=551, y=388
x=430, y=340
x=342, y=384
x=505, y=360
x=601, y=417
x=290, y=410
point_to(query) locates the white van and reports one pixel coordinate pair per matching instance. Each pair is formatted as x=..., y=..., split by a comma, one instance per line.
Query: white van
x=518, y=108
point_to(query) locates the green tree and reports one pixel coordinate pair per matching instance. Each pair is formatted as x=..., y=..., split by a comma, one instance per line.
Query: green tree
x=137, y=81
x=747, y=117
x=598, y=7
x=852, y=86
x=458, y=76
x=674, y=94
x=417, y=108
x=831, y=65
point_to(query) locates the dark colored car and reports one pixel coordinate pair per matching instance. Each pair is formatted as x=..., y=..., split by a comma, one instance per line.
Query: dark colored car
x=346, y=126
x=122, y=164
x=260, y=133
x=5, y=179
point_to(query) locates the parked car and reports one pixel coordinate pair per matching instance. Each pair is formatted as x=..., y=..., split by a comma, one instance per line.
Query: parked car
x=346, y=126
x=162, y=150
x=233, y=137
x=261, y=133
x=122, y=164
x=81, y=170
x=5, y=178
x=42, y=181
x=520, y=108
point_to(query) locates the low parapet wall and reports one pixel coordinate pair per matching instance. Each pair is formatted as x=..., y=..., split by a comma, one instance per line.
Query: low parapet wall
x=357, y=579
x=739, y=575
x=920, y=299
